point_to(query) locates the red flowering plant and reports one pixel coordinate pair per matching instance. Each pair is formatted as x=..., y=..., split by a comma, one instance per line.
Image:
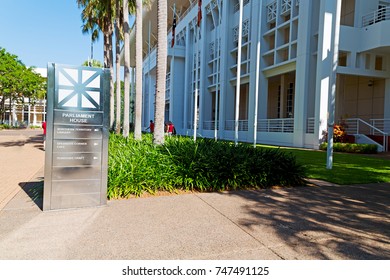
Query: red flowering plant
x=339, y=133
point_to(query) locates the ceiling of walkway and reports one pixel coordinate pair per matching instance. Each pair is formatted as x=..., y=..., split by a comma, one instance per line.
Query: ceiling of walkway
x=150, y=19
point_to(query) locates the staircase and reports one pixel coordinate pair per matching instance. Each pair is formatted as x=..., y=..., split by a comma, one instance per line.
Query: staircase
x=365, y=139
x=366, y=133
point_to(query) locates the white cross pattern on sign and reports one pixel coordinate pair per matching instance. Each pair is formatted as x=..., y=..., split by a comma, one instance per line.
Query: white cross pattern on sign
x=78, y=88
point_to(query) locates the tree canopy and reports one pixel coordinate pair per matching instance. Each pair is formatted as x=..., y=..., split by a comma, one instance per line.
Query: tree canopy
x=18, y=81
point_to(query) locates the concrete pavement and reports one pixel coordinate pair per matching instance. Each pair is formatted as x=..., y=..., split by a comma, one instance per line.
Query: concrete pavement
x=327, y=222
x=21, y=157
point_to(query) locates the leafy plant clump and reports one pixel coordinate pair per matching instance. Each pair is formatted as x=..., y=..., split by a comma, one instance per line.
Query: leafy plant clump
x=352, y=148
x=136, y=167
x=4, y=126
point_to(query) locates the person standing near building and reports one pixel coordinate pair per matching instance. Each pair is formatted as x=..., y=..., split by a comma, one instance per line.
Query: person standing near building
x=151, y=126
x=44, y=135
x=171, y=129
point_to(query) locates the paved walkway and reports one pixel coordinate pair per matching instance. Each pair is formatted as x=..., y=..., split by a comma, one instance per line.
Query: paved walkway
x=327, y=222
x=21, y=156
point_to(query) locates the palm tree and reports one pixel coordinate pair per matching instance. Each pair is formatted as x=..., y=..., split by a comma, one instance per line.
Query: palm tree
x=138, y=71
x=91, y=27
x=118, y=23
x=126, y=51
x=108, y=32
x=99, y=14
x=162, y=18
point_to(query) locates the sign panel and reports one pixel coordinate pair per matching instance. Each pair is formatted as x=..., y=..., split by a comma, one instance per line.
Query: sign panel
x=77, y=137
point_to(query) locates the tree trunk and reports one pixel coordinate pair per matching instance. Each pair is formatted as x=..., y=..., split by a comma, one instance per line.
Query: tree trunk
x=112, y=89
x=118, y=70
x=138, y=71
x=108, y=63
x=126, y=48
x=162, y=11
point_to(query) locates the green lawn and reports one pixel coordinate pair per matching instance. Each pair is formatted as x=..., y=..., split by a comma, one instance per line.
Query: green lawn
x=347, y=168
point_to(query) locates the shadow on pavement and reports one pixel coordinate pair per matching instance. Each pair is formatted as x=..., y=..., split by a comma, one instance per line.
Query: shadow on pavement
x=34, y=139
x=34, y=190
x=351, y=222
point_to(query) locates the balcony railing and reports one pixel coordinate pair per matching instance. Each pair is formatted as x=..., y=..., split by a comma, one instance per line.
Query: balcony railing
x=310, y=125
x=376, y=16
x=242, y=125
x=382, y=124
x=210, y=125
x=276, y=125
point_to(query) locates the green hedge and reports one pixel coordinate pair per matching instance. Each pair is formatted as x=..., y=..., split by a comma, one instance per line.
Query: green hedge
x=352, y=148
x=136, y=167
x=5, y=126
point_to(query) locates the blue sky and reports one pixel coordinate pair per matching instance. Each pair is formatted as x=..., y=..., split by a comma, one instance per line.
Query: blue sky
x=42, y=31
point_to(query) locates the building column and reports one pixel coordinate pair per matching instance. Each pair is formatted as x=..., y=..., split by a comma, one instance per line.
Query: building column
x=326, y=67
x=387, y=106
x=202, y=71
x=255, y=55
x=187, y=79
x=171, y=85
x=224, y=83
x=302, y=74
x=29, y=114
x=283, y=98
x=14, y=116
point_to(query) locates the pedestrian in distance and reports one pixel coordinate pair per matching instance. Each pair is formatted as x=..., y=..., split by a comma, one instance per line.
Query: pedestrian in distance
x=171, y=129
x=151, y=126
x=44, y=135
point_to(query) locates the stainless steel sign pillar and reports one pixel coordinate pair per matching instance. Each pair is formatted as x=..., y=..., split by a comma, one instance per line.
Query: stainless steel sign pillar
x=77, y=137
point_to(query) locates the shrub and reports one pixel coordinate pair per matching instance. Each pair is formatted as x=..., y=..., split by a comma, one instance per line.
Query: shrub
x=205, y=165
x=136, y=167
x=339, y=133
x=5, y=126
x=352, y=148
x=208, y=165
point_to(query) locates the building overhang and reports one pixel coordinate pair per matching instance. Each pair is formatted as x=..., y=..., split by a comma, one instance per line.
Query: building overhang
x=373, y=38
x=149, y=25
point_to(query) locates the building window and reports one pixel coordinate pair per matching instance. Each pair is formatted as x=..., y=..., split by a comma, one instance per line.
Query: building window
x=347, y=13
x=286, y=7
x=378, y=63
x=343, y=59
x=237, y=5
x=271, y=12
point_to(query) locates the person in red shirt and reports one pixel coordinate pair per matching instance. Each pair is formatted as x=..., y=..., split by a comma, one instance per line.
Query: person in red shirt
x=151, y=126
x=171, y=129
x=44, y=134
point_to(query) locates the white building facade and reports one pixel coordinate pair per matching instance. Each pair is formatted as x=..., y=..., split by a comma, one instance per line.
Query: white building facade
x=26, y=112
x=303, y=62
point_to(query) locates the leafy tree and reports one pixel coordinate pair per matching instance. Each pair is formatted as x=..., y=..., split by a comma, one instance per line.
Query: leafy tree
x=18, y=82
x=98, y=15
x=93, y=63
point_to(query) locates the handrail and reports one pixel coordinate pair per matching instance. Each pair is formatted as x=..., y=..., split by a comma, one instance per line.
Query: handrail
x=354, y=127
x=210, y=125
x=383, y=124
x=242, y=125
x=376, y=16
x=310, y=123
x=285, y=125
